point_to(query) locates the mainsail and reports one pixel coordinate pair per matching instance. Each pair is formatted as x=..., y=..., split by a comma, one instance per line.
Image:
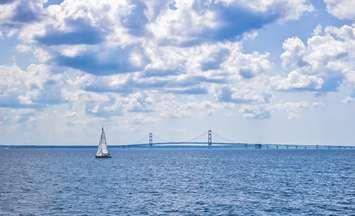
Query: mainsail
x=102, y=148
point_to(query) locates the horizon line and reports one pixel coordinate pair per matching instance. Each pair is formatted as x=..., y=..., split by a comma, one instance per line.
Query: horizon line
x=182, y=144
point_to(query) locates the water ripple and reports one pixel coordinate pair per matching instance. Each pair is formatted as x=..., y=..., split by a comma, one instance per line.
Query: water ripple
x=177, y=181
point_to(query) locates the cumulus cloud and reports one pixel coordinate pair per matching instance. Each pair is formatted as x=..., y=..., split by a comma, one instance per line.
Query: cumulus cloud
x=192, y=22
x=140, y=102
x=296, y=80
x=32, y=88
x=293, y=51
x=79, y=32
x=214, y=60
x=119, y=57
x=321, y=65
x=242, y=95
x=342, y=9
x=106, y=60
x=146, y=25
x=102, y=105
x=255, y=112
x=126, y=84
x=17, y=13
x=206, y=22
x=136, y=20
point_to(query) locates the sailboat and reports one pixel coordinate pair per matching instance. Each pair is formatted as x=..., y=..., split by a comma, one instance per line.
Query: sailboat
x=102, y=151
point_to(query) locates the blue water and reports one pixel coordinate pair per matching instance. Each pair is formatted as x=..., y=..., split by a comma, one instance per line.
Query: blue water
x=177, y=181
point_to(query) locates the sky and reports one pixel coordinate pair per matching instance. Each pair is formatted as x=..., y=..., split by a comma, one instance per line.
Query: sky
x=260, y=71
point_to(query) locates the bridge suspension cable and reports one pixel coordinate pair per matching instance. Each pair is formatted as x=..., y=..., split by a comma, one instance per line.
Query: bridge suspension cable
x=204, y=137
x=201, y=135
x=158, y=139
x=223, y=138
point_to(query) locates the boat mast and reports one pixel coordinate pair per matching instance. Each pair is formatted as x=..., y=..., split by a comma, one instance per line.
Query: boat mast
x=103, y=142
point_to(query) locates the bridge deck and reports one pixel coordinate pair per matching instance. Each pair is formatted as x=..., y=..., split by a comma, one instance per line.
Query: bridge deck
x=245, y=145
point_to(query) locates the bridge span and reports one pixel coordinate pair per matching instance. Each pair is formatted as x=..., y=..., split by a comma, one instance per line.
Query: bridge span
x=227, y=143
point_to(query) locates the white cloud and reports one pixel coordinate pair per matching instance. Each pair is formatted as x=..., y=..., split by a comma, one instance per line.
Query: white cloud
x=342, y=9
x=102, y=105
x=243, y=95
x=255, y=112
x=291, y=9
x=140, y=102
x=121, y=58
x=293, y=52
x=16, y=14
x=34, y=87
x=190, y=22
x=296, y=80
x=321, y=65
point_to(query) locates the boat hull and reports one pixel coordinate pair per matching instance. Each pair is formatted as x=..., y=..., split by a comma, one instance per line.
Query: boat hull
x=103, y=156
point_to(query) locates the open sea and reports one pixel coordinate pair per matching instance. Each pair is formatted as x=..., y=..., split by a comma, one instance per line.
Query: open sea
x=177, y=181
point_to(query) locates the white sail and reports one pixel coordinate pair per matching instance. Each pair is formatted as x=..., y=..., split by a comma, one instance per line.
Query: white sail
x=99, y=151
x=102, y=148
x=103, y=143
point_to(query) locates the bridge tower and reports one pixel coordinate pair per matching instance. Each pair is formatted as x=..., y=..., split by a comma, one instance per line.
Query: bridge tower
x=209, y=137
x=150, y=138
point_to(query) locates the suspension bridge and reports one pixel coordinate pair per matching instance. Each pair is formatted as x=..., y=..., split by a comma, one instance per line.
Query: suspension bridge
x=209, y=139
